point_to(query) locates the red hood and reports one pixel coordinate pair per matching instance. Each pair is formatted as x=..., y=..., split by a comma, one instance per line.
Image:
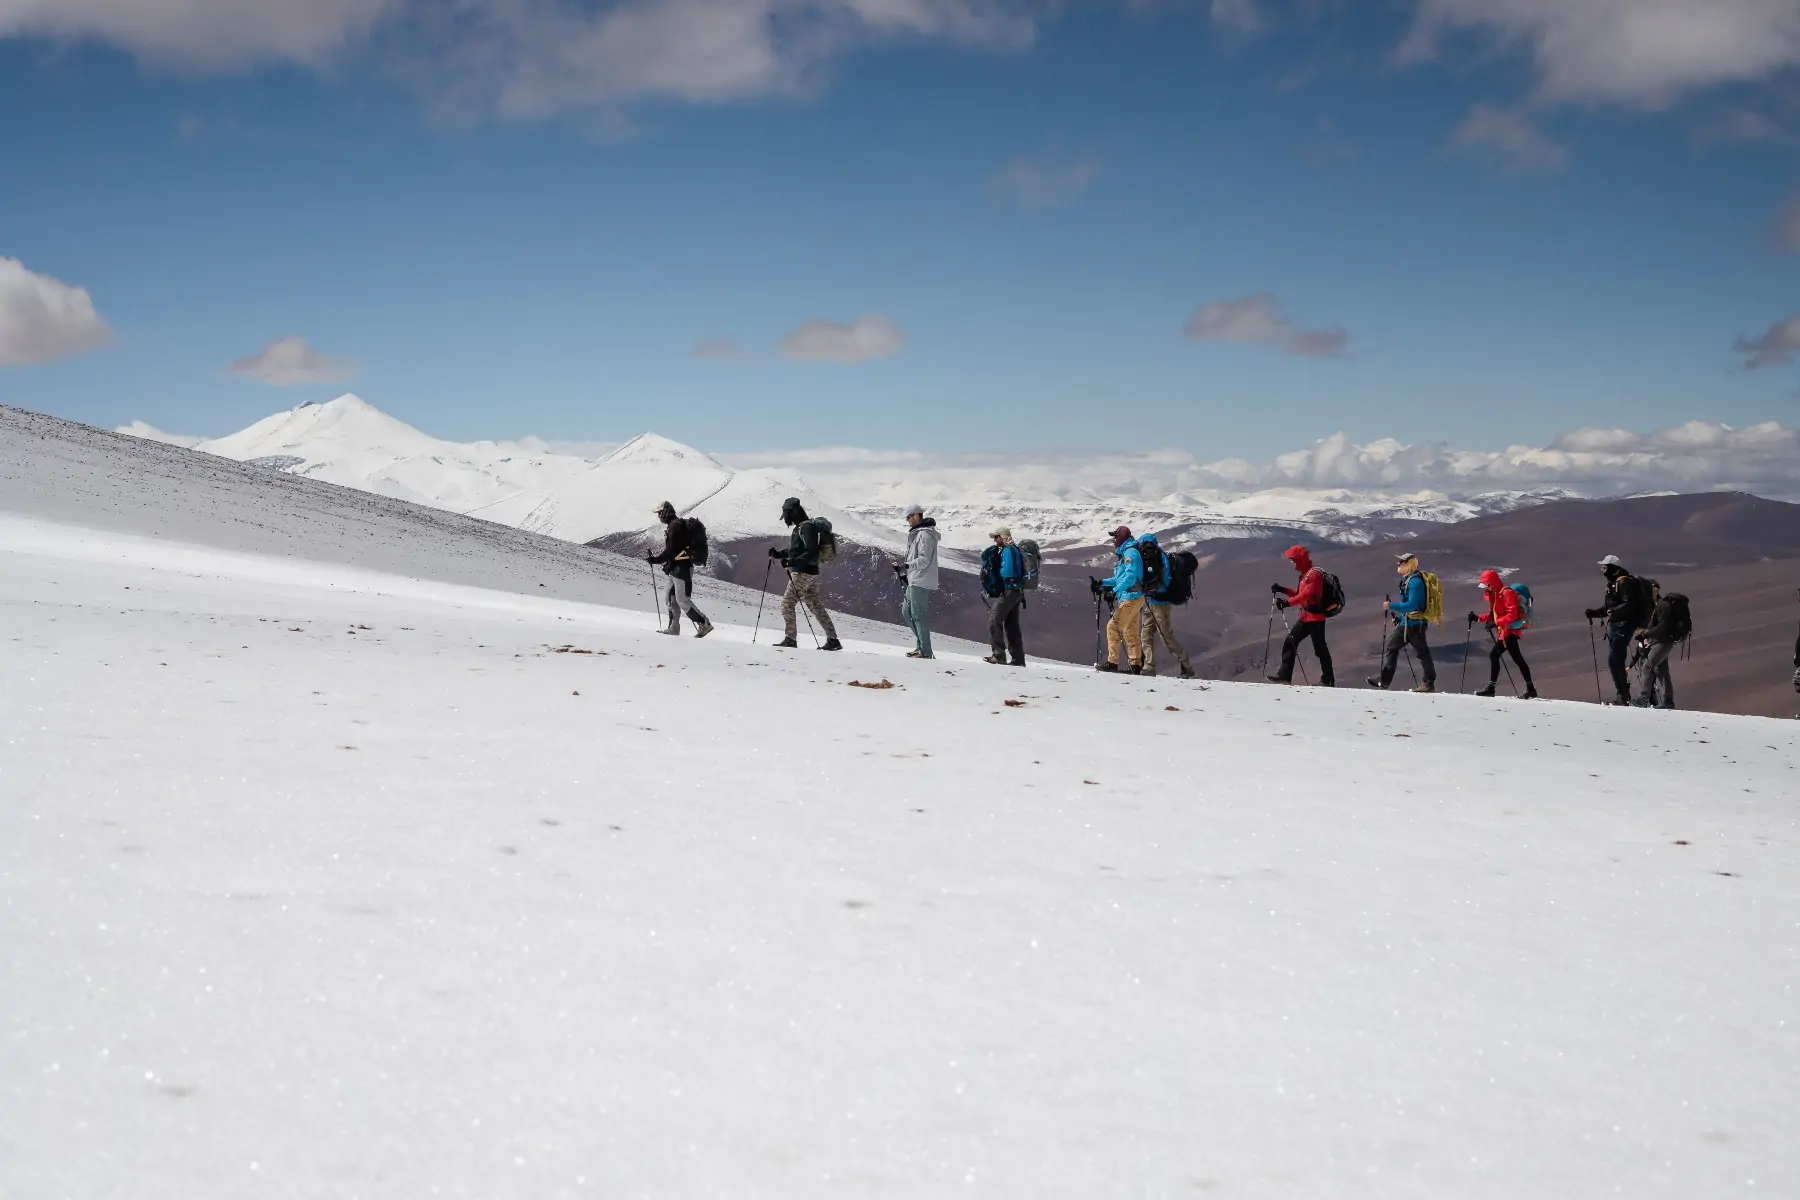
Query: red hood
x=1491, y=581
x=1300, y=558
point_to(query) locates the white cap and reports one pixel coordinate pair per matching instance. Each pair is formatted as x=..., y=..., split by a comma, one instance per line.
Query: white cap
x=1003, y=532
x=914, y=510
x=1611, y=560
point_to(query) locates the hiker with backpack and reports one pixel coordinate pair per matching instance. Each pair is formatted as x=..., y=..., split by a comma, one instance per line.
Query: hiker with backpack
x=684, y=548
x=1421, y=604
x=1625, y=610
x=1319, y=597
x=918, y=578
x=1003, y=578
x=1670, y=624
x=1507, y=618
x=810, y=544
x=1125, y=588
x=1168, y=581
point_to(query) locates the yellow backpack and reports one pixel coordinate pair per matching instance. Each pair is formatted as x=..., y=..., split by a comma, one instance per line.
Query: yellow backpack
x=1434, y=599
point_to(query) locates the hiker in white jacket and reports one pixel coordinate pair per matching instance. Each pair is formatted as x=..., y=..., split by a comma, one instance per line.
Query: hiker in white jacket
x=919, y=578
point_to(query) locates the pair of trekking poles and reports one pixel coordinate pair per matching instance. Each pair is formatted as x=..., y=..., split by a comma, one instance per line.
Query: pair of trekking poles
x=656, y=599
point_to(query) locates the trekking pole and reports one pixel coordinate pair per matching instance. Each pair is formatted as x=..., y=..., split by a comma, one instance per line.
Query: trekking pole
x=1099, y=634
x=1288, y=625
x=656, y=596
x=1594, y=647
x=1268, y=637
x=760, y=601
x=1504, y=665
x=1462, y=685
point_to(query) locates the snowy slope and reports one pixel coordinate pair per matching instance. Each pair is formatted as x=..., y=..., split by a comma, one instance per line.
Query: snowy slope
x=320, y=880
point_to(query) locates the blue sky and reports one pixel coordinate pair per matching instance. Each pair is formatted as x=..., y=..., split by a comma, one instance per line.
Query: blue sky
x=1231, y=228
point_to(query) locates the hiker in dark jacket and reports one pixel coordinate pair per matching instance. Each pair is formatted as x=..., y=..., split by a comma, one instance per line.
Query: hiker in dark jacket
x=1410, y=625
x=801, y=559
x=1623, y=610
x=1003, y=579
x=677, y=563
x=1656, y=645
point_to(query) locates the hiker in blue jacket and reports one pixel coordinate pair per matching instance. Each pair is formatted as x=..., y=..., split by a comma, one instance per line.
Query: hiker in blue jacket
x=1410, y=625
x=1003, y=578
x=1125, y=630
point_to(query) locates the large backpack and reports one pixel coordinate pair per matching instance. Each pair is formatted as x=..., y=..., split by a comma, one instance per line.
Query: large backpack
x=698, y=550
x=1182, y=567
x=1523, y=592
x=827, y=539
x=1331, y=603
x=1434, y=599
x=1031, y=560
x=1649, y=595
x=1681, y=621
x=991, y=584
x=1155, y=566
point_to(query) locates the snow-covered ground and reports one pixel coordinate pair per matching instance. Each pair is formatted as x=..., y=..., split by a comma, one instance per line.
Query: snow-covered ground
x=326, y=873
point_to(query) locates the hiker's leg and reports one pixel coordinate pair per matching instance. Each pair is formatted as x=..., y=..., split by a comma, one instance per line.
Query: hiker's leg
x=816, y=602
x=1390, y=653
x=1115, y=639
x=1421, y=644
x=790, y=620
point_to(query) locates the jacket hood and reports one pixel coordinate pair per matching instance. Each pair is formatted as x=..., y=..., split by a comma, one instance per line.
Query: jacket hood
x=1300, y=558
x=791, y=511
x=927, y=523
x=1491, y=581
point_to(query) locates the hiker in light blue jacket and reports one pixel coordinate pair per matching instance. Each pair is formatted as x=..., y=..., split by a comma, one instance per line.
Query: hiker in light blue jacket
x=919, y=578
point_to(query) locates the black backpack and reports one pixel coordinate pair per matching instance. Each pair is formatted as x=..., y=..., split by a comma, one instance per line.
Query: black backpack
x=1182, y=566
x=1332, y=602
x=698, y=550
x=1681, y=621
x=1156, y=567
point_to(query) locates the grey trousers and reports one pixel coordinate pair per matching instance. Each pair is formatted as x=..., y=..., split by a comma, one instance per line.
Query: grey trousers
x=1159, y=622
x=915, y=610
x=1003, y=627
x=681, y=600
x=1398, y=639
x=1655, y=684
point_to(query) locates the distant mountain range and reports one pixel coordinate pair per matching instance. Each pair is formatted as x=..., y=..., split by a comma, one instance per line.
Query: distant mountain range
x=349, y=442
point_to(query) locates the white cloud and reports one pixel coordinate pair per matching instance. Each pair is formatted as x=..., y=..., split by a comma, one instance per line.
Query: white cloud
x=289, y=361
x=1775, y=348
x=1041, y=182
x=1645, y=53
x=43, y=318
x=1260, y=318
x=531, y=58
x=1524, y=146
x=872, y=336
x=1696, y=456
x=717, y=348
x=150, y=433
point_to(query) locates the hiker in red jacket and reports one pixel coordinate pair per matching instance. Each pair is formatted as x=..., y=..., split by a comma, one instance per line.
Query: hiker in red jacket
x=1506, y=620
x=1309, y=598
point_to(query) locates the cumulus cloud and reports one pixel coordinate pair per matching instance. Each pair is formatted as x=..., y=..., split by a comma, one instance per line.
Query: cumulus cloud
x=1696, y=456
x=43, y=318
x=531, y=58
x=716, y=348
x=869, y=337
x=290, y=361
x=1775, y=348
x=1513, y=136
x=1261, y=318
x=1041, y=182
x=1646, y=53
x=150, y=433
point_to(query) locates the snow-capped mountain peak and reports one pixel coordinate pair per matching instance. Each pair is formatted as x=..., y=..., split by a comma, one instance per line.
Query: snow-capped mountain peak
x=651, y=450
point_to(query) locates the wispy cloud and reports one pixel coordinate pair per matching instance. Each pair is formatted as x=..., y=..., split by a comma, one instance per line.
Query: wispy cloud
x=289, y=362
x=1240, y=18
x=818, y=340
x=1041, y=182
x=1512, y=135
x=1775, y=348
x=42, y=318
x=717, y=349
x=1261, y=318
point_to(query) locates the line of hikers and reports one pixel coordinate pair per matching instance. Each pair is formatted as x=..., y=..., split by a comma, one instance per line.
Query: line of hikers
x=1148, y=582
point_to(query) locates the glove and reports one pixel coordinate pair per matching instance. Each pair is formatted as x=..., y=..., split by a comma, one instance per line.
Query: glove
x=1474, y=617
x=777, y=553
x=900, y=569
x=1108, y=595
x=1283, y=603
x=1275, y=589
x=1094, y=586
x=1594, y=614
x=649, y=556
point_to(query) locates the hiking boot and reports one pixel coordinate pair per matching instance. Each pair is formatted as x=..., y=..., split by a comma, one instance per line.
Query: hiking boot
x=832, y=644
x=671, y=631
x=1428, y=688
x=703, y=630
x=1487, y=693
x=1015, y=664
x=787, y=644
x=1134, y=669
x=1375, y=682
x=1530, y=690
x=914, y=654
x=995, y=660
x=1187, y=672
x=1108, y=666
x=1622, y=700
x=1280, y=679
x=1330, y=683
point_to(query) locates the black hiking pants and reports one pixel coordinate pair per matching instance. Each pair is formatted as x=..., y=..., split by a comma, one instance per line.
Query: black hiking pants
x=1618, y=652
x=1004, y=632
x=1399, y=638
x=1290, y=649
x=1501, y=648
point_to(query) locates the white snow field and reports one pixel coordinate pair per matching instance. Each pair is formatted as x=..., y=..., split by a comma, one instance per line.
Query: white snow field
x=325, y=873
